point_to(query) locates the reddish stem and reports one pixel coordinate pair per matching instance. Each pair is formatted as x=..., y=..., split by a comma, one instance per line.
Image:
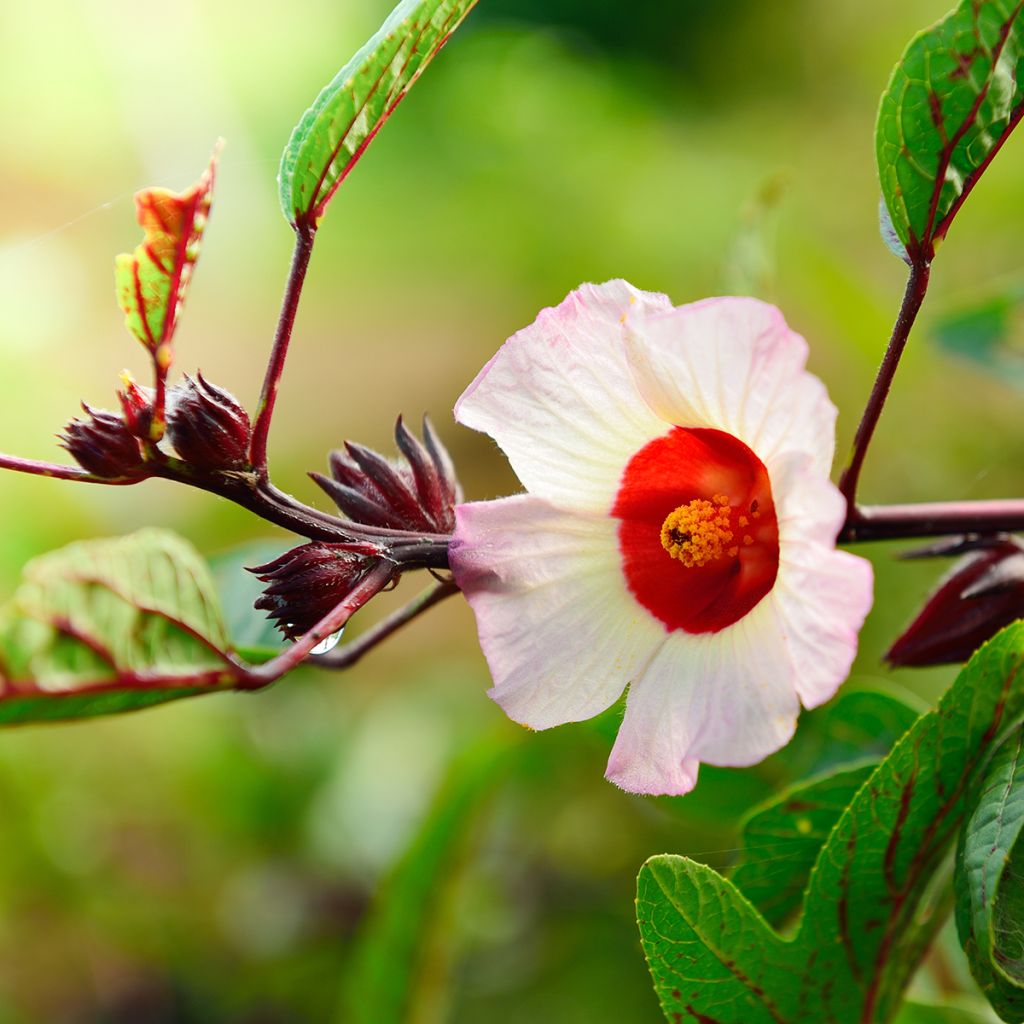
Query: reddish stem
x=57, y=472
x=304, y=235
x=349, y=654
x=917, y=286
x=890, y=522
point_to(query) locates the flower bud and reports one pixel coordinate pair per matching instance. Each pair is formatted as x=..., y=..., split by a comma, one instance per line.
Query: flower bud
x=417, y=494
x=207, y=426
x=982, y=593
x=309, y=581
x=137, y=406
x=102, y=444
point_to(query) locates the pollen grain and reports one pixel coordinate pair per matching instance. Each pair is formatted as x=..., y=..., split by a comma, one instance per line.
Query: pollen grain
x=699, y=532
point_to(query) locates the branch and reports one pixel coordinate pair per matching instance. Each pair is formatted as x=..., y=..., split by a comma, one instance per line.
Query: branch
x=58, y=472
x=917, y=286
x=348, y=654
x=890, y=522
x=304, y=235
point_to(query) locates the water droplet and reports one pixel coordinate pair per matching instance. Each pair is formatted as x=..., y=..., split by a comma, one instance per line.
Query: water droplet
x=328, y=643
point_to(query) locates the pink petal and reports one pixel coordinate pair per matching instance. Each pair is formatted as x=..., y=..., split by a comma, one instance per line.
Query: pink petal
x=733, y=364
x=561, y=633
x=725, y=698
x=560, y=401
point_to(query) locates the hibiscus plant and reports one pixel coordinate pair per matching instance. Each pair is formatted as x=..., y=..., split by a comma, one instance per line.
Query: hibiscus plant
x=676, y=541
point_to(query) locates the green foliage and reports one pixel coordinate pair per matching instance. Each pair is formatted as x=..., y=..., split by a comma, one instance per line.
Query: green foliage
x=110, y=625
x=348, y=113
x=401, y=951
x=869, y=911
x=253, y=635
x=990, y=882
x=953, y=99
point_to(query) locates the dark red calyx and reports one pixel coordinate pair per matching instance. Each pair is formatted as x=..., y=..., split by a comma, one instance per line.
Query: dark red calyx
x=207, y=425
x=307, y=582
x=137, y=407
x=102, y=444
x=982, y=593
x=698, y=534
x=416, y=493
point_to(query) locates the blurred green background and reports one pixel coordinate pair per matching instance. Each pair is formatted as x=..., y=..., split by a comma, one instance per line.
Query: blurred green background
x=227, y=859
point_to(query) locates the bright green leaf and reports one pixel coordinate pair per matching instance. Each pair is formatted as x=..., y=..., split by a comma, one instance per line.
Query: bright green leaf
x=869, y=912
x=952, y=101
x=927, y=1013
x=110, y=625
x=349, y=112
x=990, y=882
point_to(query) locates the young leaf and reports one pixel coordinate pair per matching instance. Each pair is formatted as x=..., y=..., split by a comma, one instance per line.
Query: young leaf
x=952, y=101
x=152, y=281
x=110, y=625
x=869, y=911
x=349, y=112
x=990, y=882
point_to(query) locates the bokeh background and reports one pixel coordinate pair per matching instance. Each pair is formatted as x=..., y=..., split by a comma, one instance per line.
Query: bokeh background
x=233, y=858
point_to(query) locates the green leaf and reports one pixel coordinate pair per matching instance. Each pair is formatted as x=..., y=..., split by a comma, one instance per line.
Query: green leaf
x=348, y=113
x=153, y=280
x=110, y=625
x=952, y=101
x=398, y=952
x=782, y=840
x=869, y=911
x=990, y=882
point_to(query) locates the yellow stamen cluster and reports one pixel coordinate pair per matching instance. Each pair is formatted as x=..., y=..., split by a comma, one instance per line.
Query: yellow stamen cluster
x=699, y=532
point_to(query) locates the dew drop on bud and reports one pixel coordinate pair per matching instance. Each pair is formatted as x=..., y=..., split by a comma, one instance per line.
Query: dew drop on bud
x=328, y=643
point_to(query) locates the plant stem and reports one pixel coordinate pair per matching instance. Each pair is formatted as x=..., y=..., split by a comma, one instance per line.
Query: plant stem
x=304, y=235
x=917, y=286
x=255, y=678
x=57, y=472
x=348, y=654
x=890, y=522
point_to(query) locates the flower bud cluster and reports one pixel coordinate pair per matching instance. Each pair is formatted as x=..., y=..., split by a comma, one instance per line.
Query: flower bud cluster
x=417, y=494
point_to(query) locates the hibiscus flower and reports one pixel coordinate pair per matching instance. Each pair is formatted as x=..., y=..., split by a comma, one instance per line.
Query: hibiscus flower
x=677, y=534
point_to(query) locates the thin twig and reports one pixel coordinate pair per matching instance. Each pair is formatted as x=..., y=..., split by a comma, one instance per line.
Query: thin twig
x=348, y=654
x=917, y=286
x=304, y=236
x=58, y=472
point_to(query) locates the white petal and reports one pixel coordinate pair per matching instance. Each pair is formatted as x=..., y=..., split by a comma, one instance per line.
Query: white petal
x=733, y=364
x=725, y=698
x=822, y=596
x=559, y=398
x=561, y=633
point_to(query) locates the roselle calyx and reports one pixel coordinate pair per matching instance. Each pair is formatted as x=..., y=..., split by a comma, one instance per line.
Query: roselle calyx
x=982, y=593
x=207, y=425
x=102, y=444
x=137, y=407
x=416, y=494
x=307, y=582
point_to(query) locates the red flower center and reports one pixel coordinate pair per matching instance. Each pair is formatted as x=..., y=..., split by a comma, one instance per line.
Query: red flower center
x=698, y=533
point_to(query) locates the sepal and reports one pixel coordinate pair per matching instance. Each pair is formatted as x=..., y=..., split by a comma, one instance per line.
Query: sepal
x=207, y=425
x=102, y=444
